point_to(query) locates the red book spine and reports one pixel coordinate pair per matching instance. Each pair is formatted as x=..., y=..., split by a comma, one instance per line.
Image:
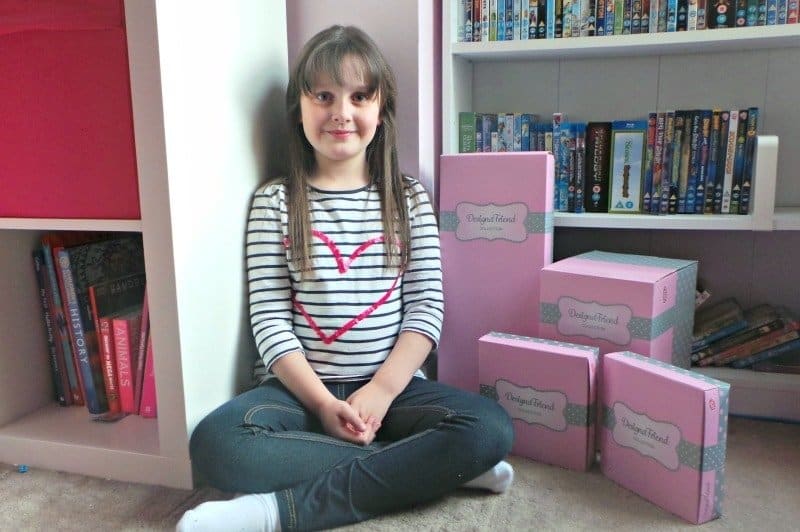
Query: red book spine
x=125, y=340
x=147, y=408
x=108, y=359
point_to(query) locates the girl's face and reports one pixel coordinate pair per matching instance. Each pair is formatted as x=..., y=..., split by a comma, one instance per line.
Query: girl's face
x=339, y=121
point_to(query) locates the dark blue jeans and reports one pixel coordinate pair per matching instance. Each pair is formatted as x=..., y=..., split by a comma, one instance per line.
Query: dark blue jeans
x=433, y=439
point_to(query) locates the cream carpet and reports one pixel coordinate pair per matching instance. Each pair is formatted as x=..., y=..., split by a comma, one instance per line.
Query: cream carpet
x=763, y=493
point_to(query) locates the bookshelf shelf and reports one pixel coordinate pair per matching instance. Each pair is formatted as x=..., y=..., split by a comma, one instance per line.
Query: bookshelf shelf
x=54, y=224
x=787, y=218
x=648, y=44
x=700, y=222
x=760, y=394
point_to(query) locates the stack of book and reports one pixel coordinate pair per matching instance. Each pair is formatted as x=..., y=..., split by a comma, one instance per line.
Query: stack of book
x=763, y=338
x=92, y=292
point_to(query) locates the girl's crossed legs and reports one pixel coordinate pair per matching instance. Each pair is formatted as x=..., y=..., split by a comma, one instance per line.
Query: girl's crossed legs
x=433, y=439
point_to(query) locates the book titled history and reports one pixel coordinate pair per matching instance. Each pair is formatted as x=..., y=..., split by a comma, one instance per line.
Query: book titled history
x=84, y=266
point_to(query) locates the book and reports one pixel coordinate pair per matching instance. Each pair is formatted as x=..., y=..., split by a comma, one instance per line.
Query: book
x=628, y=142
x=738, y=161
x=139, y=356
x=764, y=325
x=81, y=267
x=788, y=343
x=60, y=382
x=717, y=321
x=466, y=132
x=748, y=175
x=107, y=300
x=126, y=327
x=787, y=362
x=147, y=405
x=658, y=163
x=730, y=155
x=666, y=165
x=713, y=160
x=598, y=160
x=647, y=188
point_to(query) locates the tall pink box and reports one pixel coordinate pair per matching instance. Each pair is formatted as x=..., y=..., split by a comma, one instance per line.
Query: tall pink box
x=621, y=302
x=496, y=226
x=664, y=434
x=548, y=389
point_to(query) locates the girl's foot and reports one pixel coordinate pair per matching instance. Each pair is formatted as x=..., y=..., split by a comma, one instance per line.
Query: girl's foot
x=256, y=512
x=497, y=479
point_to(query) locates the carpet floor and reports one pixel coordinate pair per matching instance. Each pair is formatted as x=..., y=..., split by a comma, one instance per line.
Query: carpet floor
x=762, y=475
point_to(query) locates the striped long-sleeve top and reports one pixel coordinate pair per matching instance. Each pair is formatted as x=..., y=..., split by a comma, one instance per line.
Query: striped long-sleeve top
x=346, y=314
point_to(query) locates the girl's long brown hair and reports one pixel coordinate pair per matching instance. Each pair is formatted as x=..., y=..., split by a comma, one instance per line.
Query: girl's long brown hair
x=323, y=55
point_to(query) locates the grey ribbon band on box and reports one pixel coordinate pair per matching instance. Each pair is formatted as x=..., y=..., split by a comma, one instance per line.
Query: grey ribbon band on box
x=641, y=328
x=535, y=222
x=576, y=415
x=711, y=458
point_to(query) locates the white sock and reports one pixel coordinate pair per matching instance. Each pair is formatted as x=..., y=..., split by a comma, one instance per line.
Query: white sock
x=249, y=513
x=497, y=479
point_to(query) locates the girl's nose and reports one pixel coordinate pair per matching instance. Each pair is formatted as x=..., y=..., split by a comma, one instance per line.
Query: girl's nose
x=341, y=112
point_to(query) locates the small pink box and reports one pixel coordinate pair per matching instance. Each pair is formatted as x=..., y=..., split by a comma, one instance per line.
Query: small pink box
x=548, y=389
x=621, y=302
x=664, y=434
x=496, y=226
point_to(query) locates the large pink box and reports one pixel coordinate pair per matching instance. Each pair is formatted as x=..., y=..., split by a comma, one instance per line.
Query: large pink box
x=664, y=433
x=496, y=226
x=621, y=302
x=548, y=389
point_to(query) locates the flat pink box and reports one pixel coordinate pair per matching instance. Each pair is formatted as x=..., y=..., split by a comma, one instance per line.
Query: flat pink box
x=496, y=227
x=548, y=389
x=664, y=433
x=621, y=302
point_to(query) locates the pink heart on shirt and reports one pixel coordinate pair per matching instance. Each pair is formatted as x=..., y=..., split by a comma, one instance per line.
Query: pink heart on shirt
x=344, y=264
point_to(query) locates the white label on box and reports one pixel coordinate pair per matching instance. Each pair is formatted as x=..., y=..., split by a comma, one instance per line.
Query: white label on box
x=655, y=439
x=594, y=320
x=532, y=405
x=492, y=221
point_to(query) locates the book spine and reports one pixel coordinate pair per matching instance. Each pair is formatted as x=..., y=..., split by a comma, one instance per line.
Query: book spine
x=713, y=160
x=769, y=341
x=516, y=11
x=557, y=119
x=147, y=406
x=525, y=21
x=52, y=351
x=792, y=12
x=732, y=345
x=598, y=147
x=685, y=157
x=762, y=13
x=125, y=335
x=80, y=346
x=677, y=158
x=636, y=16
x=730, y=158
x=109, y=360
x=566, y=153
x=600, y=17
x=783, y=6
x=702, y=14
x=661, y=21
x=628, y=144
x=738, y=162
x=647, y=187
x=666, y=166
x=682, y=23
x=702, y=164
x=772, y=12
x=74, y=391
x=766, y=354
x=672, y=15
x=749, y=160
x=580, y=166
x=658, y=163
x=139, y=362
x=466, y=132
x=695, y=145
x=477, y=26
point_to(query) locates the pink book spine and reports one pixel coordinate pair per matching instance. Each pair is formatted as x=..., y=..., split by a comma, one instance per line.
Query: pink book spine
x=138, y=362
x=147, y=408
x=125, y=340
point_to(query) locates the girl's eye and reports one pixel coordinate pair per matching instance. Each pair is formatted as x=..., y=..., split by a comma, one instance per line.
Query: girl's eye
x=360, y=97
x=322, y=96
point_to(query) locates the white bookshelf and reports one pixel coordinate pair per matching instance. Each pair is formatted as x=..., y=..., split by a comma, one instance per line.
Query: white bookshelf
x=628, y=76
x=201, y=108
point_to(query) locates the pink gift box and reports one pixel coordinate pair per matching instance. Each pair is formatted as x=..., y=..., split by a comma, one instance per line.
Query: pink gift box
x=621, y=302
x=664, y=433
x=548, y=389
x=496, y=226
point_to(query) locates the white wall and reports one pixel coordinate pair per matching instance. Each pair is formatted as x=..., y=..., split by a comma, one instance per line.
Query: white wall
x=408, y=32
x=223, y=76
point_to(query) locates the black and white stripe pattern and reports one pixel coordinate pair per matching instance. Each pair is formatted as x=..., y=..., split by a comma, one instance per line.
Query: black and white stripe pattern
x=346, y=314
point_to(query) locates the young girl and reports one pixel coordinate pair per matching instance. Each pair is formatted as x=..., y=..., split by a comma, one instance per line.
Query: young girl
x=345, y=305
